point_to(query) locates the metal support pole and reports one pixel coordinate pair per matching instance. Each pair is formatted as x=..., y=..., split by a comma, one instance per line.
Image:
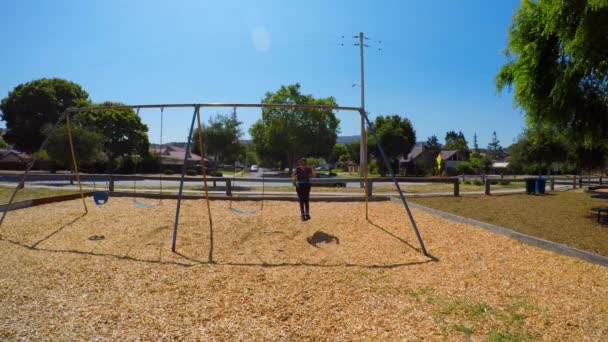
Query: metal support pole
x=390, y=169
x=362, y=149
x=181, y=182
x=74, y=164
x=21, y=183
x=552, y=184
x=487, y=187
x=205, y=187
x=456, y=188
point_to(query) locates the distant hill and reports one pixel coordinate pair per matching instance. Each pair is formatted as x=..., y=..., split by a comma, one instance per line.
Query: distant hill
x=347, y=139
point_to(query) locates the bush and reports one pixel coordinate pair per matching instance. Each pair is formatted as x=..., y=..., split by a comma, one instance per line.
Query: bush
x=494, y=182
x=477, y=182
x=215, y=173
x=464, y=168
x=504, y=182
x=168, y=172
x=373, y=167
x=191, y=172
x=466, y=182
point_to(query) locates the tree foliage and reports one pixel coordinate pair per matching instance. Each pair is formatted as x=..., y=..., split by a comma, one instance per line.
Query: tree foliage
x=456, y=141
x=88, y=145
x=475, y=153
x=397, y=136
x=536, y=150
x=221, y=139
x=495, y=150
x=30, y=106
x=339, y=153
x=432, y=143
x=124, y=134
x=283, y=135
x=558, y=66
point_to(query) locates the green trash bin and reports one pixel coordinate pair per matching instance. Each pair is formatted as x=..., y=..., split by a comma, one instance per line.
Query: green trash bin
x=530, y=185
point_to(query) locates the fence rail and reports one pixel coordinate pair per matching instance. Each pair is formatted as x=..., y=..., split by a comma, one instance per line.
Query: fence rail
x=230, y=183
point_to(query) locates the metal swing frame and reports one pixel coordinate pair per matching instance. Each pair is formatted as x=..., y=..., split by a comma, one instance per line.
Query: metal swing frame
x=196, y=117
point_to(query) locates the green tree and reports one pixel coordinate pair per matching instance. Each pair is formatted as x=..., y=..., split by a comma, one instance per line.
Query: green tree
x=536, y=150
x=495, y=150
x=456, y=141
x=286, y=134
x=432, y=143
x=221, y=139
x=123, y=132
x=476, y=153
x=339, y=153
x=30, y=106
x=88, y=145
x=558, y=66
x=354, y=150
x=397, y=137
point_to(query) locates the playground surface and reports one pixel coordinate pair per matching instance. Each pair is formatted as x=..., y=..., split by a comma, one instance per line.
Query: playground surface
x=111, y=274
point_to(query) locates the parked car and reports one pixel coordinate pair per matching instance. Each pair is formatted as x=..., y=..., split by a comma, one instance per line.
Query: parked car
x=337, y=183
x=254, y=168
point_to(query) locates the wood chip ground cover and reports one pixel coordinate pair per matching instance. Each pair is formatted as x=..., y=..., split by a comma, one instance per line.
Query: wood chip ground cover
x=110, y=274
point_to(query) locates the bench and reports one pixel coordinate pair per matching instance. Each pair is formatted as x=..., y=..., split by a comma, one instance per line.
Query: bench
x=599, y=213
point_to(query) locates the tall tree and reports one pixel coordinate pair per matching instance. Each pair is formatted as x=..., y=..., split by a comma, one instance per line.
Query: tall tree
x=495, y=150
x=221, y=139
x=397, y=136
x=558, y=66
x=432, y=143
x=285, y=134
x=29, y=107
x=476, y=153
x=124, y=134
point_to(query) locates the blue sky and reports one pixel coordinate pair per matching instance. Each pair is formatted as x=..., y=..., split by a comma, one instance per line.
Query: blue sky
x=436, y=66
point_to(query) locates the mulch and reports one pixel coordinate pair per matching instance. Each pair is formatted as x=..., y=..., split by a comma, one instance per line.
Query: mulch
x=111, y=274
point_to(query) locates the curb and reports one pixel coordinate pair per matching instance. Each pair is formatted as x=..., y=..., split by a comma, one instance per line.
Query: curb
x=527, y=239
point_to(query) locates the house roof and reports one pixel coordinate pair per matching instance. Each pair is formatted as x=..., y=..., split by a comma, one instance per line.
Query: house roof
x=415, y=152
x=6, y=152
x=170, y=152
x=447, y=154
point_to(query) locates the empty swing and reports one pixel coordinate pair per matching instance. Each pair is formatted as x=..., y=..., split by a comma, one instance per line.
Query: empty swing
x=243, y=211
x=135, y=201
x=101, y=197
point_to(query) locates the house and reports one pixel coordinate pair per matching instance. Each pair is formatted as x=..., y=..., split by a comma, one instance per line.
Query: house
x=407, y=164
x=451, y=158
x=499, y=167
x=11, y=159
x=10, y=155
x=172, y=157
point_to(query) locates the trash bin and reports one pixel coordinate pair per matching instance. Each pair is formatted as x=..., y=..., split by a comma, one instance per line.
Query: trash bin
x=540, y=185
x=530, y=185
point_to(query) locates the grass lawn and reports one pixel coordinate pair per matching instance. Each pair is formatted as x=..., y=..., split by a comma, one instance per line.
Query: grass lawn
x=25, y=194
x=562, y=217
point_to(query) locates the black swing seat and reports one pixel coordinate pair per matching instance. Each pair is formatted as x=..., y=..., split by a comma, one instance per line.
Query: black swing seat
x=100, y=197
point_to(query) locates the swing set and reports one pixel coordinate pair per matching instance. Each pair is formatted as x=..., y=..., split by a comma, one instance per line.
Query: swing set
x=101, y=197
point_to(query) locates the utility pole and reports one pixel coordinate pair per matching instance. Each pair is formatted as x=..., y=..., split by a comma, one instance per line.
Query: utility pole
x=363, y=148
